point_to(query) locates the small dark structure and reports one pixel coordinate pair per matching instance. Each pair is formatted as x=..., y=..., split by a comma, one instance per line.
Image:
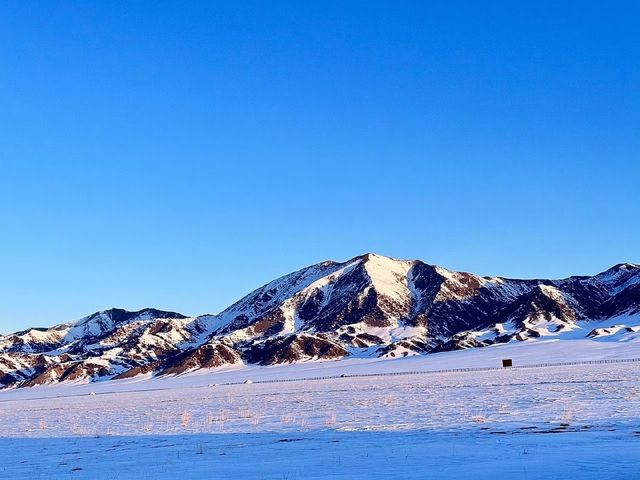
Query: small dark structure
x=507, y=362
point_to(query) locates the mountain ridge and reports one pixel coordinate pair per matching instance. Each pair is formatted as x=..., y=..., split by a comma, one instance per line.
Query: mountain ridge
x=368, y=305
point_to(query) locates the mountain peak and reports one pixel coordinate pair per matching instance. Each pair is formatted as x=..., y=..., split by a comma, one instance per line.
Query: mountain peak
x=621, y=272
x=120, y=315
x=626, y=266
x=373, y=256
x=382, y=259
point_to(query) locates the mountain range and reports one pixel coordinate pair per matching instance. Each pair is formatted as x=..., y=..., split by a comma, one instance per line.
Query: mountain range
x=371, y=305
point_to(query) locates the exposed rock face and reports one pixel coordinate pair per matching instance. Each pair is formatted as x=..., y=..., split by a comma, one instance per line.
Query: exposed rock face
x=359, y=340
x=204, y=356
x=460, y=341
x=403, y=348
x=293, y=348
x=623, y=302
x=150, y=367
x=371, y=304
x=67, y=371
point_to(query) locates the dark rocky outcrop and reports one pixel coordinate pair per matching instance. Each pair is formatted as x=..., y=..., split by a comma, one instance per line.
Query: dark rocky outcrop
x=294, y=348
x=205, y=356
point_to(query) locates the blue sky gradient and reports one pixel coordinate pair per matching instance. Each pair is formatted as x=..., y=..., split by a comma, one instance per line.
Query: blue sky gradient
x=179, y=155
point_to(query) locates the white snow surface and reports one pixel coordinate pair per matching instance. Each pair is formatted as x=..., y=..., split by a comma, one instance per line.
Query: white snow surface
x=536, y=422
x=389, y=276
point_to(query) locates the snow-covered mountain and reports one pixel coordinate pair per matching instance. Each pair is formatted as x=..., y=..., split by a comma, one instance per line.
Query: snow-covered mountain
x=370, y=305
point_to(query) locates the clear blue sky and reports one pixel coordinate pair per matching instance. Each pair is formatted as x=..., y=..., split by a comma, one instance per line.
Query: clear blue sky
x=180, y=154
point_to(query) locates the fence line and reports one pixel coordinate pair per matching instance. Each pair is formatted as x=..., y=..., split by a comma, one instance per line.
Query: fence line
x=355, y=375
x=448, y=370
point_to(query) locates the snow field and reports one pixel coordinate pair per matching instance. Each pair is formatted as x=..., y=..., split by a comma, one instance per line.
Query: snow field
x=534, y=423
x=326, y=454
x=580, y=395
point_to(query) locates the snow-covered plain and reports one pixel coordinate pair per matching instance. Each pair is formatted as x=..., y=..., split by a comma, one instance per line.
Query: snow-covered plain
x=540, y=422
